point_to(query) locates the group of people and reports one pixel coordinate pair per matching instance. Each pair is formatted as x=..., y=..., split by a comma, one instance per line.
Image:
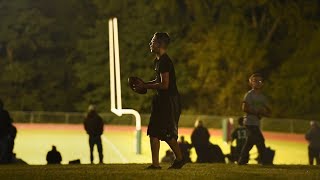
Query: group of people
x=166, y=110
x=93, y=125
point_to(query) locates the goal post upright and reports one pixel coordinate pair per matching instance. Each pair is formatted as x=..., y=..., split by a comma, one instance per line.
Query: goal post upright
x=115, y=81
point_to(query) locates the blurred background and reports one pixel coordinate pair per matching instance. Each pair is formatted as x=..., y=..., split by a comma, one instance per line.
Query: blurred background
x=54, y=54
x=54, y=62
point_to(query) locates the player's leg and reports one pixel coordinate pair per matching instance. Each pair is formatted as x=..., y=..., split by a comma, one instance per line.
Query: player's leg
x=155, y=147
x=260, y=145
x=100, y=150
x=179, y=162
x=173, y=119
x=312, y=155
x=247, y=147
x=318, y=156
x=91, y=145
x=175, y=148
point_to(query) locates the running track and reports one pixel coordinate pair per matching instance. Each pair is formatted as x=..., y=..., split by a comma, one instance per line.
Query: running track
x=214, y=132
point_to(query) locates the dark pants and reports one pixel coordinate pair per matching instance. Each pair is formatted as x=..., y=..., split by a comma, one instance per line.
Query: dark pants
x=235, y=154
x=4, y=147
x=255, y=137
x=202, y=153
x=314, y=153
x=10, y=148
x=95, y=140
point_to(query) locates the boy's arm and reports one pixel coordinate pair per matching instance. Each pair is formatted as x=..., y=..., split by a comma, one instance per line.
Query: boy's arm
x=265, y=111
x=307, y=136
x=164, y=84
x=247, y=109
x=233, y=135
x=151, y=82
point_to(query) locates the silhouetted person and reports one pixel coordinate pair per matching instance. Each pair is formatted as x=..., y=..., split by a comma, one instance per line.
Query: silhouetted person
x=313, y=136
x=12, y=137
x=185, y=149
x=169, y=157
x=215, y=154
x=5, y=125
x=93, y=124
x=200, y=141
x=255, y=104
x=240, y=135
x=54, y=156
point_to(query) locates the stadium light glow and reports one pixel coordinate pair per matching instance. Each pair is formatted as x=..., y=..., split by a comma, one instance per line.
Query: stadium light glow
x=115, y=81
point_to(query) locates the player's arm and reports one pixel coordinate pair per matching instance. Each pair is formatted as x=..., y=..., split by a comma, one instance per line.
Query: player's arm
x=163, y=84
x=151, y=82
x=308, y=136
x=234, y=135
x=265, y=111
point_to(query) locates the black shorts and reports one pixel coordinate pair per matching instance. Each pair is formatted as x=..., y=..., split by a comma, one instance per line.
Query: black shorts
x=164, y=119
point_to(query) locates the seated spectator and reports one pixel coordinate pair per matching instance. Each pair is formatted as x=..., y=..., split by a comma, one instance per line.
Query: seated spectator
x=5, y=126
x=169, y=157
x=215, y=154
x=54, y=156
x=185, y=149
x=200, y=141
x=12, y=136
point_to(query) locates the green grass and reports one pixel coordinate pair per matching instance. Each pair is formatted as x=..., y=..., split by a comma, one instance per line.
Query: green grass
x=137, y=171
x=119, y=147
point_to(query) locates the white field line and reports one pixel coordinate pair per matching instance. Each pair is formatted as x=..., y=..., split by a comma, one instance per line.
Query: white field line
x=115, y=149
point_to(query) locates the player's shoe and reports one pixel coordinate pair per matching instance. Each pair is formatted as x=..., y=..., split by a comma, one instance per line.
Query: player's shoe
x=151, y=167
x=177, y=164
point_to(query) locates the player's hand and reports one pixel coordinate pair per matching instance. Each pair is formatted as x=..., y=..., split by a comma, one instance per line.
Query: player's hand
x=263, y=111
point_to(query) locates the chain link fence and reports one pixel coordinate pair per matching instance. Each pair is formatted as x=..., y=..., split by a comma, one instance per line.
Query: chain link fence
x=267, y=124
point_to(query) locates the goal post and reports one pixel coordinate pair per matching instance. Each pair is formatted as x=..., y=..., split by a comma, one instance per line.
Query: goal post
x=115, y=81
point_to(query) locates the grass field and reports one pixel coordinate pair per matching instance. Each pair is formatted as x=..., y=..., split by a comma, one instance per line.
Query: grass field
x=32, y=144
x=136, y=171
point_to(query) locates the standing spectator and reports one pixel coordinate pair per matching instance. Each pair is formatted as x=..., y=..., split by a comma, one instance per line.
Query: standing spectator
x=185, y=149
x=200, y=141
x=5, y=126
x=313, y=136
x=255, y=105
x=93, y=124
x=54, y=156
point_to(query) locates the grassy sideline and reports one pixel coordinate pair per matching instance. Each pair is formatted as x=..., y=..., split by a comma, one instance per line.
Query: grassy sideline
x=136, y=171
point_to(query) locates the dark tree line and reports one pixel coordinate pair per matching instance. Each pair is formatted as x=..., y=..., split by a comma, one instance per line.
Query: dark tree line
x=54, y=54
